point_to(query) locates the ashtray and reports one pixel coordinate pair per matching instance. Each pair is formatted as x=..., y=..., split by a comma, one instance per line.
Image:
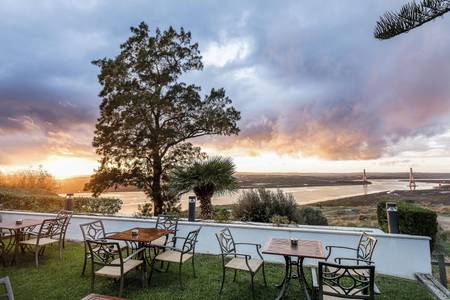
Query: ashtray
x=294, y=242
x=19, y=222
x=135, y=232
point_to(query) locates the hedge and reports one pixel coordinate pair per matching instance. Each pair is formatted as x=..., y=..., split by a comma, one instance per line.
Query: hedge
x=413, y=219
x=41, y=201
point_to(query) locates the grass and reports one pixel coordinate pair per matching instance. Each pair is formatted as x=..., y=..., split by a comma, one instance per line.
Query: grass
x=60, y=279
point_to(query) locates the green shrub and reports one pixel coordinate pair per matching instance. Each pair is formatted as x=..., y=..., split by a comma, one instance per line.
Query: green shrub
x=33, y=200
x=222, y=215
x=413, y=219
x=98, y=205
x=279, y=220
x=261, y=205
x=311, y=216
x=43, y=201
x=145, y=210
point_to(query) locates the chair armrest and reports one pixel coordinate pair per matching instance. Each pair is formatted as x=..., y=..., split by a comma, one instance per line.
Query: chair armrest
x=315, y=282
x=339, y=260
x=329, y=248
x=250, y=244
x=258, y=247
x=133, y=254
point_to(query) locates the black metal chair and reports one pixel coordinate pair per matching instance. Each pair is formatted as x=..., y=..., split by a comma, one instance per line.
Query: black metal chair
x=6, y=244
x=50, y=232
x=8, y=288
x=172, y=254
x=344, y=281
x=239, y=261
x=167, y=222
x=67, y=216
x=361, y=254
x=107, y=261
x=95, y=231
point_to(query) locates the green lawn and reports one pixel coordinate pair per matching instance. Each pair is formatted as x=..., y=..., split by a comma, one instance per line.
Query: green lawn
x=60, y=279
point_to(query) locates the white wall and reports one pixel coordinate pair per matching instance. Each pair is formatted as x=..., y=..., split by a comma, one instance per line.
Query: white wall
x=397, y=255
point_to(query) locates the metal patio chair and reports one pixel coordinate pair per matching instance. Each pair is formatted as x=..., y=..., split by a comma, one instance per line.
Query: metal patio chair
x=361, y=254
x=50, y=232
x=95, y=231
x=108, y=257
x=172, y=254
x=239, y=261
x=167, y=222
x=8, y=288
x=336, y=281
x=67, y=215
x=6, y=244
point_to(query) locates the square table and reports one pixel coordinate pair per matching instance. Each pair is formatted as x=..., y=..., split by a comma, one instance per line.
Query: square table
x=18, y=230
x=303, y=249
x=145, y=235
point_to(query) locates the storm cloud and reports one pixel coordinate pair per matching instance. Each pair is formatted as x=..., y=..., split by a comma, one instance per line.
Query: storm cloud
x=307, y=76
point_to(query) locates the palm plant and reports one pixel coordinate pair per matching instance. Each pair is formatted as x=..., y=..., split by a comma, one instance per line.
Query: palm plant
x=410, y=16
x=206, y=178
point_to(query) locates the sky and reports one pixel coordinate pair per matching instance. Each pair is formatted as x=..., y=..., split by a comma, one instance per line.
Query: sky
x=316, y=91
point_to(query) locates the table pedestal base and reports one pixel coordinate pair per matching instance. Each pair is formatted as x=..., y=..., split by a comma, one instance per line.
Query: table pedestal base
x=300, y=275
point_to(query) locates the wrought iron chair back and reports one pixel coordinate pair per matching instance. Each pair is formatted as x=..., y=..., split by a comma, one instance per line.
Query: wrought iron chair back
x=168, y=222
x=93, y=231
x=226, y=241
x=102, y=253
x=9, y=291
x=51, y=228
x=348, y=282
x=191, y=241
x=366, y=247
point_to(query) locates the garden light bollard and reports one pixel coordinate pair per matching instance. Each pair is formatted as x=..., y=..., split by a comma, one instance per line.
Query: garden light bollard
x=68, y=205
x=392, y=217
x=191, y=214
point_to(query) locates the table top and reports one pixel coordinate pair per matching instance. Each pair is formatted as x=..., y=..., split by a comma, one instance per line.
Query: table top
x=25, y=223
x=101, y=297
x=146, y=235
x=304, y=248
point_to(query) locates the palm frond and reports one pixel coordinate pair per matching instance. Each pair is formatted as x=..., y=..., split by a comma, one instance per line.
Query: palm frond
x=215, y=171
x=410, y=16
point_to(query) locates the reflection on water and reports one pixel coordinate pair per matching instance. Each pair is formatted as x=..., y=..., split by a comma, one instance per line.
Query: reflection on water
x=303, y=195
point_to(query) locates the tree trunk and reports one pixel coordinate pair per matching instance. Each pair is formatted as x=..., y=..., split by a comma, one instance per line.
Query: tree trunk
x=204, y=194
x=206, y=208
x=156, y=186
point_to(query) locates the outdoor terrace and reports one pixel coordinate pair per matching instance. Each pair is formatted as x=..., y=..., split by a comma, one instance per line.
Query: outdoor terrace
x=60, y=279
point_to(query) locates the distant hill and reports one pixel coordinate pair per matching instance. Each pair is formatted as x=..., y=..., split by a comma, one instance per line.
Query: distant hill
x=273, y=180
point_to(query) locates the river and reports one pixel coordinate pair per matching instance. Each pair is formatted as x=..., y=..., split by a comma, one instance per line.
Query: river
x=303, y=195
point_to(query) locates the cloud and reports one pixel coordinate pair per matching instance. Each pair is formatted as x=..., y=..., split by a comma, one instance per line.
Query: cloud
x=220, y=54
x=309, y=79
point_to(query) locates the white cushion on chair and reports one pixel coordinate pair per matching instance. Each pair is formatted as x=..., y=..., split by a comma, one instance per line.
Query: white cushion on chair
x=173, y=256
x=42, y=241
x=114, y=272
x=240, y=264
x=159, y=242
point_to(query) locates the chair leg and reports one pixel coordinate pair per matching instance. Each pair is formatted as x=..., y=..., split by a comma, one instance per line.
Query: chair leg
x=253, y=285
x=84, y=264
x=264, y=275
x=121, y=285
x=92, y=282
x=193, y=266
x=223, y=281
x=36, y=256
x=61, y=246
x=180, y=276
x=151, y=270
x=234, y=278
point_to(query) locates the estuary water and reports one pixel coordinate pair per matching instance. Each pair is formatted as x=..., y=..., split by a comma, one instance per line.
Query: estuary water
x=303, y=195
